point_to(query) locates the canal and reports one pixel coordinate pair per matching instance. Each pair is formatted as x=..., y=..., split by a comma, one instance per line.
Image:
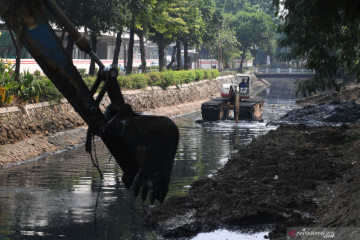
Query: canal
x=59, y=197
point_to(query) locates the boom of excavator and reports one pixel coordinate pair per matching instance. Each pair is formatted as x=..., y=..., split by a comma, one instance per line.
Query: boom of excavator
x=144, y=146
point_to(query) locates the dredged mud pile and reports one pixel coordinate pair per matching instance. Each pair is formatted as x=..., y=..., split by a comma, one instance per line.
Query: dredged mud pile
x=294, y=176
x=333, y=113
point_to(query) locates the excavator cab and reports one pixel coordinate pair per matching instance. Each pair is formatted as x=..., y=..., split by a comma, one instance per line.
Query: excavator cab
x=242, y=81
x=144, y=146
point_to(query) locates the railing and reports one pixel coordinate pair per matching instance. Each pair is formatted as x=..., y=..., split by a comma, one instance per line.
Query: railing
x=284, y=71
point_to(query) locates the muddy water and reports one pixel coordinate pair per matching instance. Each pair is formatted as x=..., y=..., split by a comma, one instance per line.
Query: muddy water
x=58, y=197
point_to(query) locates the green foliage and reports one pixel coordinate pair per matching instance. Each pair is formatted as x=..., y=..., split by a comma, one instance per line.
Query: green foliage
x=232, y=6
x=168, y=22
x=254, y=30
x=188, y=76
x=195, y=25
x=124, y=81
x=212, y=19
x=29, y=89
x=207, y=74
x=89, y=81
x=7, y=80
x=134, y=81
x=170, y=78
x=264, y=6
x=215, y=73
x=226, y=46
x=199, y=74
x=156, y=79
x=245, y=29
x=165, y=79
x=48, y=91
x=82, y=72
x=323, y=34
x=139, y=81
x=37, y=73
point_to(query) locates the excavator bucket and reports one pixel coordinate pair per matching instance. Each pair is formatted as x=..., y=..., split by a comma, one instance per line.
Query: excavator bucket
x=144, y=147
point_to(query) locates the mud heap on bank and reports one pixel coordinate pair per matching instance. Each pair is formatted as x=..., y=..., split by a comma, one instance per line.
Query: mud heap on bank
x=294, y=176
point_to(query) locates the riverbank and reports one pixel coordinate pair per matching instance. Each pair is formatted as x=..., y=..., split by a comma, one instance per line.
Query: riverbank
x=350, y=93
x=295, y=176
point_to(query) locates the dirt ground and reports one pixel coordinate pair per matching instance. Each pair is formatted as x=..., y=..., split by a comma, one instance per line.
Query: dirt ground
x=349, y=93
x=294, y=176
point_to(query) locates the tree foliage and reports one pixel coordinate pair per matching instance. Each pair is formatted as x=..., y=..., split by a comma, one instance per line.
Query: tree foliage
x=325, y=34
x=226, y=47
x=253, y=30
x=264, y=5
x=167, y=22
x=253, y=27
x=189, y=22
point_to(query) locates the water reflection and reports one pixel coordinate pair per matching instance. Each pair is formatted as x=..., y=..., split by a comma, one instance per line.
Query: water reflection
x=204, y=147
x=55, y=197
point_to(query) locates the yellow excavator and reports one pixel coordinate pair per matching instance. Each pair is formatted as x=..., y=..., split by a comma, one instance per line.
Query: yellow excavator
x=144, y=146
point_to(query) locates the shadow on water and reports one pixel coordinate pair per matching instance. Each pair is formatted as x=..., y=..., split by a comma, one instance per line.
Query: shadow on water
x=55, y=197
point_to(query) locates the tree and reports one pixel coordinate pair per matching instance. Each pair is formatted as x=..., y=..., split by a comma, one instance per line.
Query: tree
x=226, y=47
x=232, y=6
x=99, y=18
x=71, y=10
x=140, y=12
x=95, y=16
x=253, y=30
x=264, y=5
x=195, y=27
x=325, y=34
x=166, y=24
x=212, y=19
x=18, y=47
x=119, y=19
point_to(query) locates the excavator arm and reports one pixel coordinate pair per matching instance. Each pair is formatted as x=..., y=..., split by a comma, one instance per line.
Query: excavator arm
x=144, y=146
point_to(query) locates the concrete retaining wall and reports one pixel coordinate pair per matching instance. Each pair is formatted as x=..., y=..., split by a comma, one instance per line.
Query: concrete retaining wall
x=18, y=123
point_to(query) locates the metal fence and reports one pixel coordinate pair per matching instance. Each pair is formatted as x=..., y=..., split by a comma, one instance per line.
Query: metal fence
x=284, y=71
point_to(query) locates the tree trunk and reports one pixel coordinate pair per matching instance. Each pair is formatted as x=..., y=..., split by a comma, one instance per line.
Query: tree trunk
x=242, y=61
x=178, y=55
x=219, y=58
x=142, y=51
x=18, y=47
x=186, y=63
x=70, y=46
x=161, y=48
x=172, y=58
x=199, y=58
x=17, y=63
x=130, y=52
x=115, y=62
x=125, y=57
x=92, y=62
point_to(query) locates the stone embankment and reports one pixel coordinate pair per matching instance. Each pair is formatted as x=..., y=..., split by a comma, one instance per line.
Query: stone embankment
x=35, y=130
